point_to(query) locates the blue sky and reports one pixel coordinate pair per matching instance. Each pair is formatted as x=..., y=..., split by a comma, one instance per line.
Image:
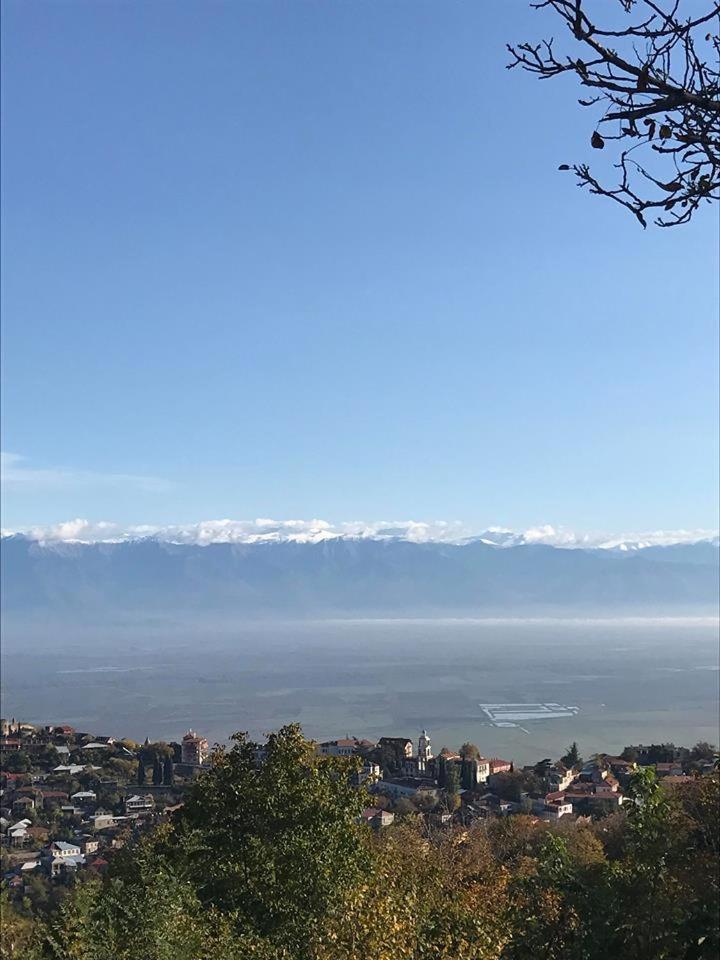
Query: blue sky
x=314, y=259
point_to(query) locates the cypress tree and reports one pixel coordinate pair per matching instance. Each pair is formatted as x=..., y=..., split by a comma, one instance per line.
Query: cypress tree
x=441, y=771
x=168, y=774
x=157, y=771
x=452, y=777
x=468, y=775
x=141, y=772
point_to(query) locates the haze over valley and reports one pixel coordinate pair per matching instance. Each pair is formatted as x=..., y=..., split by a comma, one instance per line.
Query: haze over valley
x=365, y=634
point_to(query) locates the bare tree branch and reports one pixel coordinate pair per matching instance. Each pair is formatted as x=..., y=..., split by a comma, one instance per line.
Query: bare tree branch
x=661, y=90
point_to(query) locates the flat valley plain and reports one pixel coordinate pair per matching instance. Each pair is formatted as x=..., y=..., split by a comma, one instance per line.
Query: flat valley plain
x=633, y=680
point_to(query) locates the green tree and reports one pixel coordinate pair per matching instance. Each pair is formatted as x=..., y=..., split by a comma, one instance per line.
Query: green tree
x=703, y=751
x=168, y=772
x=515, y=839
x=468, y=751
x=572, y=758
x=661, y=896
x=390, y=755
x=16, y=762
x=468, y=774
x=442, y=771
x=150, y=751
x=540, y=769
x=440, y=900
x=125, y=769
x=141, y=772
x=20, y=935
x=145, y=911
x=49, y=755
x=452, y=780
x=512, y=784
x=276, y=843
x=157, y=775
x=658, y=753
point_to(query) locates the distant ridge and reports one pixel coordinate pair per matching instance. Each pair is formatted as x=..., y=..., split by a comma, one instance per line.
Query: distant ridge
x=355, y=576
x=264, y=530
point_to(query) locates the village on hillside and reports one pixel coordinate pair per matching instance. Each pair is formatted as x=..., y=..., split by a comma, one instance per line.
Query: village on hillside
x=69, y=800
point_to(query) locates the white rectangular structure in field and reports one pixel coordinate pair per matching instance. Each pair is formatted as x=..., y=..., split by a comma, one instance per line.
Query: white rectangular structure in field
x=509, y=714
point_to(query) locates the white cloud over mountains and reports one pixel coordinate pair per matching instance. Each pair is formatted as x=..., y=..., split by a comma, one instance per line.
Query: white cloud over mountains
x=18, y=473
x=265, y=530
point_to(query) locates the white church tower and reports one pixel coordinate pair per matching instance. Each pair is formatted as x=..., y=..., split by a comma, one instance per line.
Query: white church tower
x=424, y=750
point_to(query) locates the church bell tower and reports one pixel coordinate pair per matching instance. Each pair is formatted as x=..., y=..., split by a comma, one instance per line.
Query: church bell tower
x=424, y=750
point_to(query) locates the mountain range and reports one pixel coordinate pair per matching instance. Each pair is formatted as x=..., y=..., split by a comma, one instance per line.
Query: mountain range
x=351, y=576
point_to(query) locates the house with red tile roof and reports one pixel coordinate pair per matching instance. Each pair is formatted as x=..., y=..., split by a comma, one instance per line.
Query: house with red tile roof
x=673, y=769
x=377, y=818
x=497, y=765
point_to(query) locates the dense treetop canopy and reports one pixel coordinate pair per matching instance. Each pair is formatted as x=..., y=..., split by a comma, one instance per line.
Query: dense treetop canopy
x=267, y=859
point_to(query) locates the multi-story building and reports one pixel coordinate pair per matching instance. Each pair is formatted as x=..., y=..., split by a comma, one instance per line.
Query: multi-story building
x=194, y=748
x=58, y=848
x=559, y=777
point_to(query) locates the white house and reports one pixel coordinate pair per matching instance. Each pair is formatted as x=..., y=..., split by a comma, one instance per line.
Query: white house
x=138, y=804
x=483, y=769
x=58, y=848
x=559, y=777
x=18, y=832
x=553, y=805
x=556, y=809
x=59, y=857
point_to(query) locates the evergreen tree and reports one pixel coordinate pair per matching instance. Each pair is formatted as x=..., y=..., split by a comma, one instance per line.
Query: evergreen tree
x=141, y=772
x=452, y=784
x=572, y=758
x=441, y=771
x=168, y=773
x=468, y=774
x=157, y=771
